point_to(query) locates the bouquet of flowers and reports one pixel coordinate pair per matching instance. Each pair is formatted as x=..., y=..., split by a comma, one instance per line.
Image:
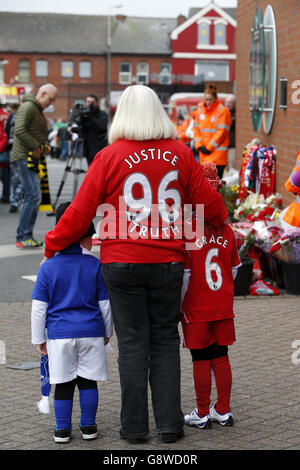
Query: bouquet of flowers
x=245, y=237
x=245, y=246
x=252, y=202
x=256, y=207
x=230, y=195
x=287, y=247
x=266, y=213
x=266, y=233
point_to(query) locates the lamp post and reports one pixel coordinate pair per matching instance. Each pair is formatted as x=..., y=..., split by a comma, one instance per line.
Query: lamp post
x=108, y=59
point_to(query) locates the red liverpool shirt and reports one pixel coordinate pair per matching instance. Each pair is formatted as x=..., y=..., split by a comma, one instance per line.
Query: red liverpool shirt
x=210, y=292
x=127, y=179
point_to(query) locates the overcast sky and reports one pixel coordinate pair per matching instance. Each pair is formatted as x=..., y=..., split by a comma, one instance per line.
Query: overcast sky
x=150, y=8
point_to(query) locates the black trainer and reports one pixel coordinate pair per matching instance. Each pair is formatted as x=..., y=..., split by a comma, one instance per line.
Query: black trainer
x=169, y=437
x=62, y=435
x=89, y=432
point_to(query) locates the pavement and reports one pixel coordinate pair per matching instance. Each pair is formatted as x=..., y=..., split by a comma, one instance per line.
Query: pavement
x=265, y=361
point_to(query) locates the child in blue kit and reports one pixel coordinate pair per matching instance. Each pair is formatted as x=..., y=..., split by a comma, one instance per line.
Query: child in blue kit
x=71, y=323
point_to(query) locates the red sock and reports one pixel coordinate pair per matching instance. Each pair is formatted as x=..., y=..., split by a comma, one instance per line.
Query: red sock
x=222, y=372
x=202, y=383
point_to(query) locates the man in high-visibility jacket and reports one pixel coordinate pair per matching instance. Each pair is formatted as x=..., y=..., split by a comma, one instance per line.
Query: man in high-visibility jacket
x=211, y=130
x=291, y=217
x=182, y=125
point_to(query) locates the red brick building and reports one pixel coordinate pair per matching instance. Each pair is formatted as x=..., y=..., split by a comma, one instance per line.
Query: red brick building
x=284, y=134
x=71, y=51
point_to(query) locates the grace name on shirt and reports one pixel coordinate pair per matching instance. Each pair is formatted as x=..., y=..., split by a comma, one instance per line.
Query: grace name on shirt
x=219, y=240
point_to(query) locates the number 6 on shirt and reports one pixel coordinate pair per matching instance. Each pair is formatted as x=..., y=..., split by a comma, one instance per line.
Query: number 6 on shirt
x=213, y=267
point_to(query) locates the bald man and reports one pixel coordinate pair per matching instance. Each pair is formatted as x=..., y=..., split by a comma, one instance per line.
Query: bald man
x=30, y=134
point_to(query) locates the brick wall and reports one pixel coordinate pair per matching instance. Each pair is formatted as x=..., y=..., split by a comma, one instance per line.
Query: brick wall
x=69, y=89
x=76, y=88
x=285, y=134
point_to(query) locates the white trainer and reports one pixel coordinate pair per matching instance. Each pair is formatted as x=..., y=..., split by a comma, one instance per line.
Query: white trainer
x=225, y=419
x=193, y=419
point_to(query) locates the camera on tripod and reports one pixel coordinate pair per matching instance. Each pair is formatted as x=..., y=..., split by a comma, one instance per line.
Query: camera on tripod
x=81, y=116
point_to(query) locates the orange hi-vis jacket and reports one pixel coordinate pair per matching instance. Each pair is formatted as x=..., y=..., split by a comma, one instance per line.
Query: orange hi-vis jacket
x=211, y=130
x=181, y=130
x=292, y=215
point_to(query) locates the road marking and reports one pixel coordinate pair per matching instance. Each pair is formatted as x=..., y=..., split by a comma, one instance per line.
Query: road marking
x=30, y=278
x=2, y=352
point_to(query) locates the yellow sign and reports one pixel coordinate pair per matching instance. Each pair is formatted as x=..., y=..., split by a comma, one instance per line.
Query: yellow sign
x=13, y=90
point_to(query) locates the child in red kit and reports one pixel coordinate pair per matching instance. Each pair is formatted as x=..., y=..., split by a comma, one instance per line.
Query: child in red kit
x=207, y=318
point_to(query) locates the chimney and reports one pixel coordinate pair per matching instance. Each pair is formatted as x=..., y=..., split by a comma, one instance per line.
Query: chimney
x=180, y=19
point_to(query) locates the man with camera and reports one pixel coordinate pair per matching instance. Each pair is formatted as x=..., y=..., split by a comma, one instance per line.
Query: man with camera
x=92, y=126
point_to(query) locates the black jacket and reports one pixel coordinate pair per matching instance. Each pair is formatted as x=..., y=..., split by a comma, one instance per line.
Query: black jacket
x=94, y=133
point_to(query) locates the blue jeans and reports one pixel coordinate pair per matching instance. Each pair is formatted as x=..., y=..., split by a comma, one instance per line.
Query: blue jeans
x=145, y=302
x=64, y=149
x=16, y=186
x=32, y=199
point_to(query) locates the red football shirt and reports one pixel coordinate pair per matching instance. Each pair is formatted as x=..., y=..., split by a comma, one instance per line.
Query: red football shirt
x=210, y=292
x=129, y=178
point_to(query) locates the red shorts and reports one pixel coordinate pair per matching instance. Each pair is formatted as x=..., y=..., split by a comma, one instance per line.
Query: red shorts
x=203, y=334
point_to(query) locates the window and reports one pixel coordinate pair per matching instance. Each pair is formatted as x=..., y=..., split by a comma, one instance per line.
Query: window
x=85, y=69
x=142, y=73
x=203, y=34
x=24, y=71
x=125, y=73
x=41, y=68
x=165, y=75
x=211, y=70
x=220, y=34
x=67, y=69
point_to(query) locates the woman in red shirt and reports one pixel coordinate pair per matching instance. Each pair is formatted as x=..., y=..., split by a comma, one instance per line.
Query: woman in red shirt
x=134, y=180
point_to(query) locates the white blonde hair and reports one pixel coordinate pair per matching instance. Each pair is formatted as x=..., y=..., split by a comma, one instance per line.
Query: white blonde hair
x=140, y=116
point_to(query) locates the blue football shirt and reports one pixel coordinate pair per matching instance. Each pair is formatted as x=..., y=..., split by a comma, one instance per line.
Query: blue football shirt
x=72, y=284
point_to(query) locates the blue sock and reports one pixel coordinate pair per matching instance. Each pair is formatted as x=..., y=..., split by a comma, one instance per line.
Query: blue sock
x=63, y=413
x=89, y=404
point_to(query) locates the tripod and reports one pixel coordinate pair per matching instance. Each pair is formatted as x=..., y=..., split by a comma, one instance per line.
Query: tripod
x=75, y=156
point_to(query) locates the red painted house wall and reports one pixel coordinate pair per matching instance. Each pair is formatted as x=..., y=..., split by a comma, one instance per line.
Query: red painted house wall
x=187, y=42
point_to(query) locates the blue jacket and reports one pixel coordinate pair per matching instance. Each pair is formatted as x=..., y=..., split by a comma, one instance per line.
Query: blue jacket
x=72, y=284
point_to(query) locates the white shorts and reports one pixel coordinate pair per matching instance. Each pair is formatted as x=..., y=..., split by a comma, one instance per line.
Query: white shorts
x=68, y=358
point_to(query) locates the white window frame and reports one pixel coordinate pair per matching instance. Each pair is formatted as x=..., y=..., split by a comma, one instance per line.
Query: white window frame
x=63, y=64
x=83, y=73
x=24, y=79
x=165, y=78
x=200, y=23
x=142, y=73
x=212, y=46
x=41, y=63
x=217, y=23
x=198, y=65
x=125, y=78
